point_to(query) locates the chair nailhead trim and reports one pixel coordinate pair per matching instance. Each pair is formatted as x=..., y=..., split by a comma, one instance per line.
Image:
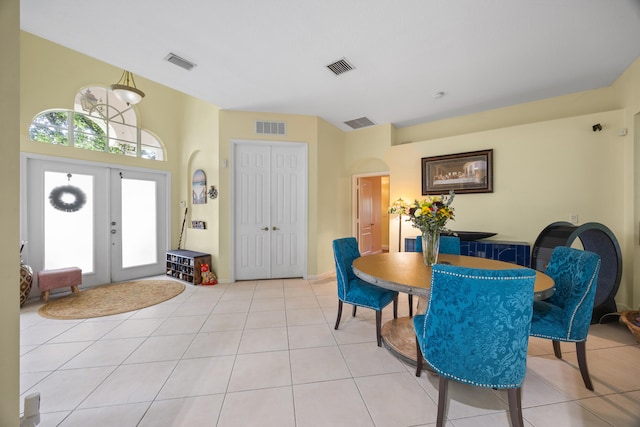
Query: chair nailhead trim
x=551, y=337
x=468, y=276
x=463, y=380
x=584, y=295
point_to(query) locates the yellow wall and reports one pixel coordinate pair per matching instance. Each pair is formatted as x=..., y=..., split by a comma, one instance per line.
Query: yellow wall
x=571, y=105
x=548, y=165
x=199, y=150
x=9, y=213
x=236, y=125
x=543, y=172
x=365, y=149
x=169, y=114
x=197, y=135
x=54, y=85
x=334, y=196
x=627, y=91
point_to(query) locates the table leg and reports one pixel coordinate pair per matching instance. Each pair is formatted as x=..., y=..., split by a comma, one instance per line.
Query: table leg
x=399, y=337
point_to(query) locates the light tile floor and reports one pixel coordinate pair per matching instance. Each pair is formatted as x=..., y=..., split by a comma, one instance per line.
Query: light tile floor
x=265, y=353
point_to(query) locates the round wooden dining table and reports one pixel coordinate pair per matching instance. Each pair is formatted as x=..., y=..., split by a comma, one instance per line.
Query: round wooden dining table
x=406, y=272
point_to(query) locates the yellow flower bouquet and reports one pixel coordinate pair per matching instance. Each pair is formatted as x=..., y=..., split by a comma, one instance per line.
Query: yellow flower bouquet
x=433, y=213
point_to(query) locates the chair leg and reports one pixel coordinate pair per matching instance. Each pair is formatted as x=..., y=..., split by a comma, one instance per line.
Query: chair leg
x=339, y=313
x=354, y=310
x=410, y=305
x=581, y=348
x=379, y=327
x=395, y=307
x=418, y=358
x=443, y=386
x=515, y=406
x=556, y=349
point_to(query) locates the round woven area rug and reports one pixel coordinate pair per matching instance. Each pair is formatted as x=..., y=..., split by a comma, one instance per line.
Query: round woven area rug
x=111, y=299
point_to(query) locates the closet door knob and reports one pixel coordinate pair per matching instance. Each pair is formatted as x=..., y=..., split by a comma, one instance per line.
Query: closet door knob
x=265, y=229
x=274, y=228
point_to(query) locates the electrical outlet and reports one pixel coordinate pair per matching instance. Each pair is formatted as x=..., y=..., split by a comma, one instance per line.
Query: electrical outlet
x=183, y=204
x=573, y=218
x=32, y=405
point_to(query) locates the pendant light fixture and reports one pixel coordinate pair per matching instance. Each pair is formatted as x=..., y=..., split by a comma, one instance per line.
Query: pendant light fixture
x=126, y=89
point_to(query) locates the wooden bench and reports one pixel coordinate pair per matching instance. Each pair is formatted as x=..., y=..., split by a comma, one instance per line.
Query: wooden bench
x=59, y=278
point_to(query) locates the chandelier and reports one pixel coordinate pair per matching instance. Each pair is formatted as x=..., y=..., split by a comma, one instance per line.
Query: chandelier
x=126, y=89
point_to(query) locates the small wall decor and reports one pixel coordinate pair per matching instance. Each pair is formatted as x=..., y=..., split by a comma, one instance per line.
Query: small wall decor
x=200, y=225
x=213, y=192
x=67, y=198
x=199, y=188
x=470, y=172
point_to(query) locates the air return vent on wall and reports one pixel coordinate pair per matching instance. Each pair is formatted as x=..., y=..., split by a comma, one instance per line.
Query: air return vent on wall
x=180, y=62
x=359, y=123
x=271, y=128
x=340, y=66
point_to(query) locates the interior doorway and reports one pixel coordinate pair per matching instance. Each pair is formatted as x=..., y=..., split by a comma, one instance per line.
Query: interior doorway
x=371, y=219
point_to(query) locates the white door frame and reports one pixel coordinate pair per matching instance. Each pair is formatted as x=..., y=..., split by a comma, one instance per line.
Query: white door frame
x=304, y=232
x=24, y=227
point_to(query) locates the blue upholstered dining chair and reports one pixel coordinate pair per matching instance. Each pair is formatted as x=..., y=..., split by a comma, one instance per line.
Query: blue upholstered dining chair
x=476, y=330
x=566, y=315
x=448, y=245
x=355, y=291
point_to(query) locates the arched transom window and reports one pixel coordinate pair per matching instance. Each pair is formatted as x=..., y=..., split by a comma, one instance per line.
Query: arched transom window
x=99, y=122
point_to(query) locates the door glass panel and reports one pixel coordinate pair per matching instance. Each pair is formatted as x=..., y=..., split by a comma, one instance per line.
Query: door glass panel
x=139, y=230
x=68, y=232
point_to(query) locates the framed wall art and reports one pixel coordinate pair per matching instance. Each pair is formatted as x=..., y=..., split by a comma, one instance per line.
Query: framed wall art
x=199, y=188
x=470, y=172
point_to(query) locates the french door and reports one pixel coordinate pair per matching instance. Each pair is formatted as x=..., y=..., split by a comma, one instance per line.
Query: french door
x=110, y=222
x=269, y=213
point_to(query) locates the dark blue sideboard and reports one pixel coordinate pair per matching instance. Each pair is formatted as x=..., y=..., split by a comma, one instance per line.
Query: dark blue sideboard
x=514, y=252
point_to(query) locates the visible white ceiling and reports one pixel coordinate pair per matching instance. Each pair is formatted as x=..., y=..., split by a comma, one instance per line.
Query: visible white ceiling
x=271, y=56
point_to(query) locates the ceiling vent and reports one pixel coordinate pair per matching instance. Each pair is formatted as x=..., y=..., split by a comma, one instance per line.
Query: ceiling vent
x=271, y=128
x=340, y=66
x=362, y=122
x=180, y=62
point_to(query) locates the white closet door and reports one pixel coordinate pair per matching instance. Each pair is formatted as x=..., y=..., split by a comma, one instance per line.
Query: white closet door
x=251, y=212
x=269, y=210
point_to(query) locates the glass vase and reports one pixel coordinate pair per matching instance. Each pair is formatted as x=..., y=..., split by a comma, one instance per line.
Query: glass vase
x=430, y=246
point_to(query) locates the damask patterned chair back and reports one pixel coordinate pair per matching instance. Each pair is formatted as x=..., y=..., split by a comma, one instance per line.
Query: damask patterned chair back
x=345, y=251
x=476, y=330
x=450, y=245
x=566, y=315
